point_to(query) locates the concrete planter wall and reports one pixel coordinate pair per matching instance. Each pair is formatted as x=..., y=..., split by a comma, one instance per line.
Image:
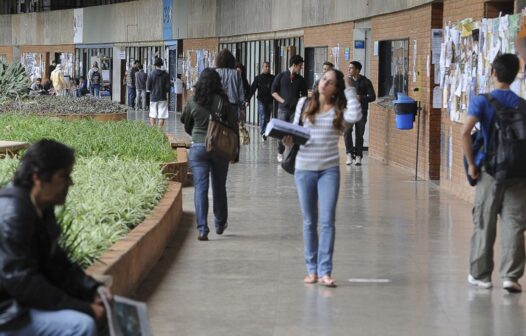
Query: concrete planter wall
x=178, y=171
x=130, y=259
x=95, y=116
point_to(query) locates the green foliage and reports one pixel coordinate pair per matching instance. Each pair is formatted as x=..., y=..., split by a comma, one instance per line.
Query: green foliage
x=124, y=139
x=14, y=83
x=51, y=105
x=109, y=198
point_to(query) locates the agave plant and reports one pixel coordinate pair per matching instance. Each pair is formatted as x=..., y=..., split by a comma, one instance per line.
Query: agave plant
x=14, y=83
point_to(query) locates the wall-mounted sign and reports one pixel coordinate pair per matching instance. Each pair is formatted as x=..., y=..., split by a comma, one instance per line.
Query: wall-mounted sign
x=359, y=44
x=122, y=55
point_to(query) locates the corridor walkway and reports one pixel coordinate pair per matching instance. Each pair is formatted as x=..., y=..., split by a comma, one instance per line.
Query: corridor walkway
x=400, y=262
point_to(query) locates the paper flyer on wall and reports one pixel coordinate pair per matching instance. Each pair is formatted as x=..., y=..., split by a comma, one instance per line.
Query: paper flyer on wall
x=126, y=317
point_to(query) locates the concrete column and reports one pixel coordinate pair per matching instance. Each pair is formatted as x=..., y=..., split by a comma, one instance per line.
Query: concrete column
x=116, y=79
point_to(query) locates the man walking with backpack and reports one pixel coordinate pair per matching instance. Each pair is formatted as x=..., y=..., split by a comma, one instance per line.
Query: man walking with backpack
x=94, y=80
x=501, y=179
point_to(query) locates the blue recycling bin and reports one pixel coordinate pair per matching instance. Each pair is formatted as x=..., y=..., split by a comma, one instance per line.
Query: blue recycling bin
x=405, y=110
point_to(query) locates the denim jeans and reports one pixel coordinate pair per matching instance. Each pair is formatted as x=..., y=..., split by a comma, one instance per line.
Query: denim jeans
x=204, y=164
x=140, y=100
x=264, y=110
x=360, y=130
x=59, y=322
x=131, y=96
x=318, y=194
x=95, y=90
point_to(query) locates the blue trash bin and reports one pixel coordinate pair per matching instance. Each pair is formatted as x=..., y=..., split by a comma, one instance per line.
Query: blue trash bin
x=405, y=109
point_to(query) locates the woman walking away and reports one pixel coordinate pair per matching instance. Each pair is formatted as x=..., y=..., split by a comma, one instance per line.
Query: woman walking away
x=208, y=94
x=231, y=79
x=317, y=172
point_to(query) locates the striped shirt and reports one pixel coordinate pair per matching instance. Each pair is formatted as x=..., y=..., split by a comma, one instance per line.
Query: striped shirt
x=321, y=151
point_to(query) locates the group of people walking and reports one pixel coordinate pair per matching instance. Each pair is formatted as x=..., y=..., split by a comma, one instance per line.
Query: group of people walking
x=333, y=106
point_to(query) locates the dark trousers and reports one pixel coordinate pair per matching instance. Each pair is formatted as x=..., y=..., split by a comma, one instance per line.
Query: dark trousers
x=284, y=113
x=360, y=130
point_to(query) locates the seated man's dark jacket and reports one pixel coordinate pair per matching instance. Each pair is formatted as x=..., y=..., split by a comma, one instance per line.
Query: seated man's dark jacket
x=35, y=271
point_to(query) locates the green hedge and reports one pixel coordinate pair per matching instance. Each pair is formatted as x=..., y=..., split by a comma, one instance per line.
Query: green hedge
x=117, y=176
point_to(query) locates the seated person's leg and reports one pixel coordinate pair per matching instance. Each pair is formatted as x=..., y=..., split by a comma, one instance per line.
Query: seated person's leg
x=61, y=322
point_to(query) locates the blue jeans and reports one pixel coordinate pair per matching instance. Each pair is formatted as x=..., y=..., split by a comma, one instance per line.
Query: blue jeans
x=203, y=165
x=264, y=110
x=95, y=90
x=59, y=322
x=132, y=93
x=318, y=190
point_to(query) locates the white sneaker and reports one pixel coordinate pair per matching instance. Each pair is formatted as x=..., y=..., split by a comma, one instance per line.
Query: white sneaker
x=349, y=159
x=280, y=158
x=358, y=161
x=512, y=286
x=479, y=283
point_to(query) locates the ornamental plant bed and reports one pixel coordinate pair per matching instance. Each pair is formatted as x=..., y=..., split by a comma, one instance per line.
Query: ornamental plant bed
x=117, y=176
x=61, y=106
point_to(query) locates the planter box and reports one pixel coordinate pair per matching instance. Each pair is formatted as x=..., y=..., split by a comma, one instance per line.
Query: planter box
x=178, y=171
x=96, y=116
x=11, y=147
x=130, y=259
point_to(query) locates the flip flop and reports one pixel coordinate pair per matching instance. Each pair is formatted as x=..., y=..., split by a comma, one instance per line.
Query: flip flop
x=310, y=279
x=326, y=281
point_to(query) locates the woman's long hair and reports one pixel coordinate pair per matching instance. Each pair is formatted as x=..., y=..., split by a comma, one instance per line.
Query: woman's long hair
x=225, y=59
x=338, y=99
x=208, y=85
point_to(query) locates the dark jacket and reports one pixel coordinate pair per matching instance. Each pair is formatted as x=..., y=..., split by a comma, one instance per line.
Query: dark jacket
x=195, y=117
x=158, y=83
x=140, y=80
x=290, y=88
x=263, y=84
x=35, y=272
x=364, y=89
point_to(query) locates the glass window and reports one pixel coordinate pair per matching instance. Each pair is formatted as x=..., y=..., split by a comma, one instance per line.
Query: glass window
x=393, y=67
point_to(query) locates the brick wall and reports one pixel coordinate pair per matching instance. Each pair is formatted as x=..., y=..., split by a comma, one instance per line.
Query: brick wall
x=205, y=43
x=8, y=52
x=387, y=143
x=455, y=10
x=330, y=36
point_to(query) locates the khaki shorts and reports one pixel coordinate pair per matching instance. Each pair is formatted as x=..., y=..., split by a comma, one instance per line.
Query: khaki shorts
x=159, y=110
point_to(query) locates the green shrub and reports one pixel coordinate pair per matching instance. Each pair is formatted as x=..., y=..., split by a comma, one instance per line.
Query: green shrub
x=110, y=196
x=124, y=139
x=14, y=83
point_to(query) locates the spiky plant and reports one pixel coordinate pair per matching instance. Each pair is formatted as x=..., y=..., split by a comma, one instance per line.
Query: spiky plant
x=14, y=83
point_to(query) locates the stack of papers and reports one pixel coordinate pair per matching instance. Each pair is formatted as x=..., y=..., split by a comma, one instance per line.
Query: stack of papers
x=278, y=129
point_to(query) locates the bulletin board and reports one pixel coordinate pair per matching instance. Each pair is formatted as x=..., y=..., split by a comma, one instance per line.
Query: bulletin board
x=468, y=49
x=194, y=62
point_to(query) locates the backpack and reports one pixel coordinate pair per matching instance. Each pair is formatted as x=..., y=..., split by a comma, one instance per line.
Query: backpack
x=506, y=148
x=95, y=77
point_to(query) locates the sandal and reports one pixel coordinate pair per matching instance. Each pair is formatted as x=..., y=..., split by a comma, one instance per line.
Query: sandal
x=310, y=279
x=326, y=281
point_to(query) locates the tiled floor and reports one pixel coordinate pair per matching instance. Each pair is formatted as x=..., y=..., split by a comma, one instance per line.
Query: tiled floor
x=403, y=244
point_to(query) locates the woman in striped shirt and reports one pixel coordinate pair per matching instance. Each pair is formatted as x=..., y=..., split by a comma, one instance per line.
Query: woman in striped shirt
x=317, y=172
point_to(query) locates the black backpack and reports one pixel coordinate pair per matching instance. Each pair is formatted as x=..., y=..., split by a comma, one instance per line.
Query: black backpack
x=95, y=77
x=506, y=149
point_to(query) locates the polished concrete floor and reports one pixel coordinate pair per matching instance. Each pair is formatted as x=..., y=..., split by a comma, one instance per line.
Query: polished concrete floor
x=400, y=262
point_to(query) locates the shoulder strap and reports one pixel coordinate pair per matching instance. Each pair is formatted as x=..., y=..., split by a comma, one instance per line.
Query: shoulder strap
x=494, y=102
